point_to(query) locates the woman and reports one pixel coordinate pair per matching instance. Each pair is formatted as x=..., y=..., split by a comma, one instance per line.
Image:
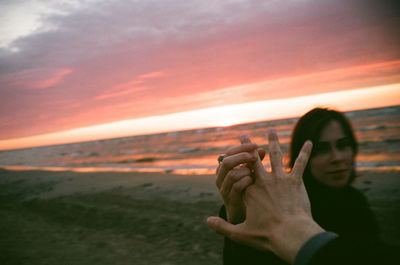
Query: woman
x=335, y=205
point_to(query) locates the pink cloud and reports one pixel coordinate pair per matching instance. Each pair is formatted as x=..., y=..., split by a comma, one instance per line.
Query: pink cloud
x=49, y=81
x=126, y=91
x=130, y=87
x=191, y=60
x=152, y=75
x=126, y=85
x=41, y=78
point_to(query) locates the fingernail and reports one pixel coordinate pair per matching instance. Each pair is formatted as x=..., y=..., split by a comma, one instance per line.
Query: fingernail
x=271, y=130
x=211, y=220
x=244, y=138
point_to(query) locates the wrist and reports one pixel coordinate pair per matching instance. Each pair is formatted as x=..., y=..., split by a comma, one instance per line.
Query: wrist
x=291, y=235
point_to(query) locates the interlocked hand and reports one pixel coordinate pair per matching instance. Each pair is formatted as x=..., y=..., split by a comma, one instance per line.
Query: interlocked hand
x=278, y=215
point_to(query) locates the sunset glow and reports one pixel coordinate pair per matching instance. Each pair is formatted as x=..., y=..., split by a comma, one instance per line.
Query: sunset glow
x=228, y=122
x=87, y=70
x=219, y=116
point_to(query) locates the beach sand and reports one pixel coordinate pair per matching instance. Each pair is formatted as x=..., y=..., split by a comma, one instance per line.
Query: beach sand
x=133, y=218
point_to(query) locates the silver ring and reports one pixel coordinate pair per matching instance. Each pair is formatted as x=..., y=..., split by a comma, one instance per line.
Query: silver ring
x=220, y=158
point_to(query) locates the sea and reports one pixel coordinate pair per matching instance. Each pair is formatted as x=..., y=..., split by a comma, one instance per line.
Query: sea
x=196, y=151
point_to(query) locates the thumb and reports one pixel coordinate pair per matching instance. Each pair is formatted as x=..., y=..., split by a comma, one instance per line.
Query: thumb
x=221, y=226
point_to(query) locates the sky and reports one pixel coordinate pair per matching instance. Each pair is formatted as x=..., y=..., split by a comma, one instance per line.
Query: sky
x=85, y=70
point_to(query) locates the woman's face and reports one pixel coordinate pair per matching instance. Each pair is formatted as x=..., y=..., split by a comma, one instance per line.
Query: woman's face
x=333, y=161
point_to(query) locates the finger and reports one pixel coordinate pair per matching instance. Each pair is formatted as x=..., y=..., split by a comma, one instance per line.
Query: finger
x=257, y=166
x=231, y=162
x=275, y=153
x=244, y=139
x=234, y=232
x=222, y=227
x=301, y=161
x=238, y=149
x=239, y=186
x=261, y=153
x=246, y=147
x=232, y=178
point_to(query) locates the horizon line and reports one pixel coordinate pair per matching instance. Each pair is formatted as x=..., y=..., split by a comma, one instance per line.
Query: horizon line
x=178, y=131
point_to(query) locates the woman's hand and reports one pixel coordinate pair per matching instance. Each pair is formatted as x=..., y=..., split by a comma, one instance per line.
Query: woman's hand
x=234, y=176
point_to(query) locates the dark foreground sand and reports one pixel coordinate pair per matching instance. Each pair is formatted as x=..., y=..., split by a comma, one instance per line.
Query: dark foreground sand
x=133, y=218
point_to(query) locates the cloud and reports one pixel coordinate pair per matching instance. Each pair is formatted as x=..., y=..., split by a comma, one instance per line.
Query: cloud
x=107, y=56
x=125, y=90
x=19, y=19
x=40, y=78
x=151, y=75
x=130, y=87
x=50, y=81
x=340, y=79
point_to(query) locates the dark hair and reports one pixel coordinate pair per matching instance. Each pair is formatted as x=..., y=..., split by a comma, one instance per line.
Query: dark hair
x=309, y=127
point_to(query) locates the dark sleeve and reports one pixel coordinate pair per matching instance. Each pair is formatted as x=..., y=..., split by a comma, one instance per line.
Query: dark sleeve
x=232, y=252
x=238, y=254
x=312, y=246
x=339, y=250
